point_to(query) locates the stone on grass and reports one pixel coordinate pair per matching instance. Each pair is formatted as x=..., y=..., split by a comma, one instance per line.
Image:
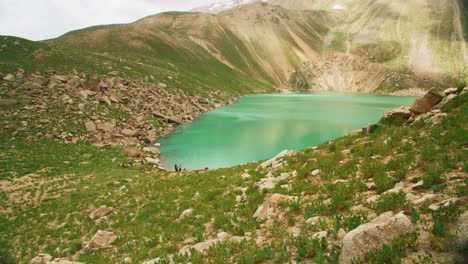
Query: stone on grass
x=9, y=77
x=132, y=152
x=152, y=160
x=186, y=213
x=268, y=207
x=367, y=237
x=320, y=235
x=90, y=126
x=100, y=212
x=102, y=239
x=41, y=259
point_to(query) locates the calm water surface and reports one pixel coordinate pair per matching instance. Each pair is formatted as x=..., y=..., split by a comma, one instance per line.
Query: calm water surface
x=260, y=126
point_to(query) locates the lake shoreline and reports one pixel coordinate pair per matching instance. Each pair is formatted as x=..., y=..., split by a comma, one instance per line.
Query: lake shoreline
x=278, y=104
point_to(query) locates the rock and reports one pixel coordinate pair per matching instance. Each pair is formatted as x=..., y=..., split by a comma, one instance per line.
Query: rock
x=102, y=239
x=162, y=85
x=8, y=102
x=267, y=208
x=382, y=230
x=411, y=197
x=313, y=220
x=59, y=78
x=238, y=198
x=341, y=234
x=445, y=101
x=105, y=127
x=462, y=228
x=151, y=150
x=152, y=160
x=11, y=93
x=320, y=235
x=74, y=82
x=445, y=203
x=186, y=213
x=449, y=91
x=315, y=172
x=203, y=101
x=92, y=84
x=276, y=161
x=41, y=259
x=400, y=112
x=128, y=132
x=90, y=126
x=396, y=189
x=63, y=261
x=245, y=176
x=270, y=181
x=132, y=152
x=101, y=211
x=416, y=185
x=372, y=199
x=427, y=197
x=9, y=77
x=425, y=103
x=106, y=100
x=437, y=119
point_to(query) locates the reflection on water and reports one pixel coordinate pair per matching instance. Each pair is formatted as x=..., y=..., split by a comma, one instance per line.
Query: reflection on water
x=258, y=127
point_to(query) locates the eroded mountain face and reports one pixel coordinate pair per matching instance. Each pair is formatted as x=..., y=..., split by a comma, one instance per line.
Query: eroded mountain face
x=343, y=45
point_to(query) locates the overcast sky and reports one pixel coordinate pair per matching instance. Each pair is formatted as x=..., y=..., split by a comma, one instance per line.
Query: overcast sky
x=43, y=19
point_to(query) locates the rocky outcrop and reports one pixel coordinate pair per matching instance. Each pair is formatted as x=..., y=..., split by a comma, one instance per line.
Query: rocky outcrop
x=382, y=230
x=277, y=161
x=102, y=110
x=425, y=103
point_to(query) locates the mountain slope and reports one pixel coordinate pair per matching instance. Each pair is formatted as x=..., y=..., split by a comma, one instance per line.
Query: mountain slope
x=262, y=41
x=402, y=44
x=349, y=45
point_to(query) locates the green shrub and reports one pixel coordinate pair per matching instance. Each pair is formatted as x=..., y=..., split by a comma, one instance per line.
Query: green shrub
x=308, y=247
x=392, y=253
x=383, y=183
x=395, y=202
x=372, y=168
x=354, y=220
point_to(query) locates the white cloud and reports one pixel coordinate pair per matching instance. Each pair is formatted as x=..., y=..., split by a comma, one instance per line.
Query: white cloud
x=43, y=19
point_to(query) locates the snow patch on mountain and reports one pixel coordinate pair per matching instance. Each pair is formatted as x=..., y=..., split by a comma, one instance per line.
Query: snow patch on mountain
x=223, y=5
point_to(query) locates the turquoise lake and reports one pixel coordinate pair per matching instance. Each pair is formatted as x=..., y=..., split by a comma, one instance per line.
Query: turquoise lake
x=260, y=126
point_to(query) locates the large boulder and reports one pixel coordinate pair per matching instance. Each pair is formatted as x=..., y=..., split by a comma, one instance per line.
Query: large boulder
x=367, y=237
x=425, y=103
